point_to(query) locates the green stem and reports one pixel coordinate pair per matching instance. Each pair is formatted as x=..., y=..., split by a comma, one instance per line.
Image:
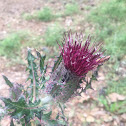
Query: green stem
x=34, y=85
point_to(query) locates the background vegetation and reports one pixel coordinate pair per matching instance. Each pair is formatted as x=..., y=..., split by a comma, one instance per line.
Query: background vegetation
x=105, y=20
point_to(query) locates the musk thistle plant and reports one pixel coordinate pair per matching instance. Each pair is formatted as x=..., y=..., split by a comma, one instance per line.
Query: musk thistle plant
x=30, y=105
x=77, y=61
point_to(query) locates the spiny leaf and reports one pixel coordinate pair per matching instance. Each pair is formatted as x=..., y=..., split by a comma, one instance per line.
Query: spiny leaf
x=42, y=59
x=52, y=122
x=42, y=63
x=39, y=114
x=7, y=81
x=57, y=117
x=16, y=107
x=33, y=76
x=20, y=104
x=21, y=109
x=30, y=57
x=93, y=77
x=34, y=104
x=47, y=115
x=56, y=64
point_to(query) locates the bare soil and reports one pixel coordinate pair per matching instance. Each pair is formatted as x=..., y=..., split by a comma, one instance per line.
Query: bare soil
x=82, y=111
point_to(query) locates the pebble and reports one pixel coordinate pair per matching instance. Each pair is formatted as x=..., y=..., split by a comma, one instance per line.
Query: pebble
x=90, y=119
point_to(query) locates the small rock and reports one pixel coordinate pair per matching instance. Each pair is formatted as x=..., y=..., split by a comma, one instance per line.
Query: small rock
x=122, y=71
x=107, y=118
x=90, y=119
x=114, y=97
x=84, y=97
x=123, y=116
x=68, y=21
x=80, y=117
x=115, y=123
x=5, y=121
x=85, y=115
x=71, y=114
x=96, y=112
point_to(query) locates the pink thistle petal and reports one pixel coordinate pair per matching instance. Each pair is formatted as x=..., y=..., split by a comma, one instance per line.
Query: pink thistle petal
x=81, y=59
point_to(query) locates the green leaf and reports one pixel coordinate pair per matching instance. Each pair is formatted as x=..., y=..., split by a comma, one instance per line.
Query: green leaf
x=33, y=76
x=47, y=115
x=93, y=77
x=36, y=103
x=7, y=81
x=104, y=101
x=56, y=64
x=42, y=63
x=30, y=57
x=42, y=59
x=62, y=123
x=17, y=114
x=39, y=114
x=18, y=107
x=57, y=117
x=52, y=122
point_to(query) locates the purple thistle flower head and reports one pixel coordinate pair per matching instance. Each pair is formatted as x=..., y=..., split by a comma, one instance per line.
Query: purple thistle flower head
x=78, y=58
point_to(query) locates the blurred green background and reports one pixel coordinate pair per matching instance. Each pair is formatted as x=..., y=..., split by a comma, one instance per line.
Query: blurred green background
x=43, y=24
